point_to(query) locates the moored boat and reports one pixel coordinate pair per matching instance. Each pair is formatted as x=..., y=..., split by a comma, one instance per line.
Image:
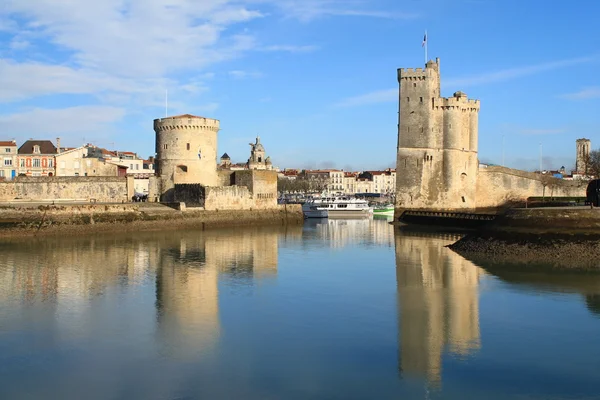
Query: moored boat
x=383, y=209
x=336, y=207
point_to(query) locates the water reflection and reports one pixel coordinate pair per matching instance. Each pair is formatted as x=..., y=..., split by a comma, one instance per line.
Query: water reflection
x=187, y=277
x=525, y=278
x=339, y=233
x=438, y=304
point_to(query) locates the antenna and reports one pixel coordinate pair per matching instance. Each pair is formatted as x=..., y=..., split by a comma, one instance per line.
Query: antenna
x=166, y=103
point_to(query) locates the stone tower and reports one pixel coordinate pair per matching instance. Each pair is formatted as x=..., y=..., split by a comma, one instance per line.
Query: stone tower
x=436, y=166
x=257, y=158
x=583, y=152
x=186, y=152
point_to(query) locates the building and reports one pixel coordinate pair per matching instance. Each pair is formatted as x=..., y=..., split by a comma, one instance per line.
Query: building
x=437, y=166
x=8, y=160
x=384, y=182
x=37, y=158
x=582, y=156
x=81, y=161
x=258, y=159
x=225, y=161
x=437, y=142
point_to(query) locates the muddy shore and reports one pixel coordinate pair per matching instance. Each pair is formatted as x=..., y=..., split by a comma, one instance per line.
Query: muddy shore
x=576, y=252
x=83, y=219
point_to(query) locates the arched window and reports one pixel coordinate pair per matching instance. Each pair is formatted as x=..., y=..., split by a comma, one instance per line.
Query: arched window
x=182, y=168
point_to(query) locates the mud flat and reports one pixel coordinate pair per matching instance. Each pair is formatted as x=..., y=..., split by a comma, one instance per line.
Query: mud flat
x=561, y=238
x=29, y=220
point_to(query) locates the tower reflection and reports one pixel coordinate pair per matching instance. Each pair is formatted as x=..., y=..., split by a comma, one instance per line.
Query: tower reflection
x=187, y=281
x=437, y=302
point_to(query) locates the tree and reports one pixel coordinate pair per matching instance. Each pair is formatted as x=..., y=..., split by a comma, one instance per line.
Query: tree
x=592, y=164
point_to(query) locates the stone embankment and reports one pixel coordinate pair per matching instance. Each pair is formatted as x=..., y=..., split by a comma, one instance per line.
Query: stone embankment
x=27, y=219
x=560, y=238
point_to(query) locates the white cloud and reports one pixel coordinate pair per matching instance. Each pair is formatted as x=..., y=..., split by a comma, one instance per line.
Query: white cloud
x=239, y=74
x=71, y=123
x=592, y=92
x=391, y=95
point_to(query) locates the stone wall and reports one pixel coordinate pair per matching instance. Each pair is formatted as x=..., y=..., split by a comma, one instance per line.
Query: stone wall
x=192, y=194
x=262, y=185
x=228, y=198
x=498, y=185
x=101, y=189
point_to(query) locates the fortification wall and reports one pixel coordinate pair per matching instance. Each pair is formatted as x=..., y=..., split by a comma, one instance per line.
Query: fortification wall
x=262, y=184
x=228, y=198
x=101, y=189
x=499, y=185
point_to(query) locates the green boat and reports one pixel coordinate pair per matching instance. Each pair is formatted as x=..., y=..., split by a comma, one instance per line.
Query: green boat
x=383, y=209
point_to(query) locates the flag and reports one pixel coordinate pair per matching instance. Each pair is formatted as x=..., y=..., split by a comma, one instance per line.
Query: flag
x=424, y=40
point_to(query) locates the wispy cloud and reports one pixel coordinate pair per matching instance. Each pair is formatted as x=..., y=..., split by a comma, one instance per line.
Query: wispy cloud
x=379, y=96
x=391, y=95
x=239, y=74
x=592, y=92
x=289, y=48
x=307, y=10
x=551, y=131
x=518, y=72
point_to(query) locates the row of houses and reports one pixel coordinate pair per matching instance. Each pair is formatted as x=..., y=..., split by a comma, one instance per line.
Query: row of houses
x=340, y=181
x=43, y=158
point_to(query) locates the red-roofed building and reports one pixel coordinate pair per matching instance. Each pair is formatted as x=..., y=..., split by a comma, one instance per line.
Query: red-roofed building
x=36, y=158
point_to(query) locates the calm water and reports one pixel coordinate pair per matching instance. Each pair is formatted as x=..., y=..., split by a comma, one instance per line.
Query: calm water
x=330, y=310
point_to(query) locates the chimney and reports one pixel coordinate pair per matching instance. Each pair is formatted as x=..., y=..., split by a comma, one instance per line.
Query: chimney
x=58, y=145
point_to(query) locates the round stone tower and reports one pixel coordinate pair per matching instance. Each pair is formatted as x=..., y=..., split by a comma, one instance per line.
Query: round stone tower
x=186, y=152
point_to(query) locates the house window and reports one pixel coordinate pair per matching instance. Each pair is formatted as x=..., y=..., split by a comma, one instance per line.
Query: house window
x=1, y=173
x=7, y=150
x=137, y=166
x=22, y=163
x=131, y=166
x=8, y=162
x=36, y=149
x=36, y=163
x=50, y=163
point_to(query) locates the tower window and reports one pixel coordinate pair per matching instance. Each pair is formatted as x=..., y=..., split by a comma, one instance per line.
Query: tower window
x=188, y=146
x=421, y=99
x=408, y=99
x=165, y=146
x=421, y=129
x=414, y=85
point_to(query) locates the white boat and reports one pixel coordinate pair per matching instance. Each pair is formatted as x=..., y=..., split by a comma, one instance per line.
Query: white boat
x=336, y=207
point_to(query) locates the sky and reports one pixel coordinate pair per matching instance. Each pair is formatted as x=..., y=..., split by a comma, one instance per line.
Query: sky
x=315, y=79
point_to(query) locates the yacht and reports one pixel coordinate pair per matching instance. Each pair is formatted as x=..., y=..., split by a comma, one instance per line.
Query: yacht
x=383, y=209
x=336, y=207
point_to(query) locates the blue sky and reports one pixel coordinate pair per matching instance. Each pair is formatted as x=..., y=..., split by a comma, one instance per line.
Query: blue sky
x=316, y=79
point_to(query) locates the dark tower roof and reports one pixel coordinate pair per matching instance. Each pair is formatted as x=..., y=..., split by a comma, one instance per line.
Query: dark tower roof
x=225, y=156
x=46, y=147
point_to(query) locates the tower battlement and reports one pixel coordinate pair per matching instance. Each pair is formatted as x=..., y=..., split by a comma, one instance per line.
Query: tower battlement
x=186, y=122
x=456, y=102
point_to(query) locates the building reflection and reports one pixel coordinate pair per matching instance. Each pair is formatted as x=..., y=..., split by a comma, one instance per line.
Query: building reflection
x=438, y=304
x=340, y=233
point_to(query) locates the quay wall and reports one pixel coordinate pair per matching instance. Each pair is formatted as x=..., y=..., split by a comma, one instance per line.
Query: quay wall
x=48, y=219
x=551, y=220
x=99, y=188
x=497, y=186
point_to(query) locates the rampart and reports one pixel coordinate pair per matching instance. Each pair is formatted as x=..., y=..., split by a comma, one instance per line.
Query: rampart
x=497, y=186
x=65, y=188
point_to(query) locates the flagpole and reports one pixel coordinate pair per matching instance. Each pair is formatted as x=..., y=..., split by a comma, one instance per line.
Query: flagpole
x=166, y=103
x=426, y=40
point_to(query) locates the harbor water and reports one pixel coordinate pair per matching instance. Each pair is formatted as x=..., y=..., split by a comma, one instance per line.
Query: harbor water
x=333, y=309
